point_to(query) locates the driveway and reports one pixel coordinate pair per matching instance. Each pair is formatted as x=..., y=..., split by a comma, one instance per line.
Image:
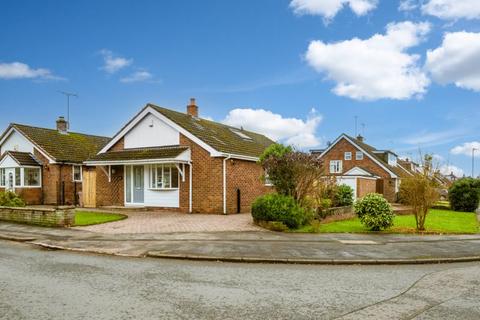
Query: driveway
x=166, y=222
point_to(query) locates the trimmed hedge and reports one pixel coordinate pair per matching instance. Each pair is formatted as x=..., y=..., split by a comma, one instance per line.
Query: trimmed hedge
x=280, y=208
x=10, y=199
x=374, y=212
x=343, y=196
x=464, y=195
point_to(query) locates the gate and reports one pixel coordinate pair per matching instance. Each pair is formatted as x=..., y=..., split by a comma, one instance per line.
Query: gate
x=89, y=188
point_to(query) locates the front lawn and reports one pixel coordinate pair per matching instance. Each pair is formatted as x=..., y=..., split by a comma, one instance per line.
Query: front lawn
x=438, y=221
x=87, y=218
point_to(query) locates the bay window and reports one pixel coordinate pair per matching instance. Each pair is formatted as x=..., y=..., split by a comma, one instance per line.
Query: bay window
x=18, y=177
x=163, y=176
x=31, y=177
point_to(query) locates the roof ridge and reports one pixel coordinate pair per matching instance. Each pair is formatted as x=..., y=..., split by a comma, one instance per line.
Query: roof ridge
x=50, y=129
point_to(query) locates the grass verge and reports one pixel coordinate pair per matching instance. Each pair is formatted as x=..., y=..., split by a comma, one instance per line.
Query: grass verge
x=88, y=218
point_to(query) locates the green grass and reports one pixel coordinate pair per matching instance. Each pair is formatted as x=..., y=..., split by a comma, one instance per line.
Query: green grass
x=438, y=221
x=88, y=218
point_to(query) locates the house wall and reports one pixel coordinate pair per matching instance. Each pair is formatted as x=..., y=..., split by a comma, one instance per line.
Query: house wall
x=109, y=193
x=151, y=132
x=16, y=142
x=337, y=153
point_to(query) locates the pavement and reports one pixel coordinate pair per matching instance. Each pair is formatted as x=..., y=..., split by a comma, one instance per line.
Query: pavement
x=257, y=246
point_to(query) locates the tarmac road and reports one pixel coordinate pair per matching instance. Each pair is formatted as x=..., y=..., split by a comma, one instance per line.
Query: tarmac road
x=39, y=284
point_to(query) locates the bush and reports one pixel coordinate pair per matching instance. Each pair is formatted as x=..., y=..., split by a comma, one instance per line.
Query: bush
x=343, y=196
x=10, y=199
x=464, y=195
x=280, y=208
x=374, y=212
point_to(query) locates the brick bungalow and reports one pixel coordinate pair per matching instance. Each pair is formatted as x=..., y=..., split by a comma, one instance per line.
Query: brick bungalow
x=178, y=161
x=44, y=166
x=365, y=168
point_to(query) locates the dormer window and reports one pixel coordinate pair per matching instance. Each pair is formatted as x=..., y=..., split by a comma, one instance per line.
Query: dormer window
x=392, y=159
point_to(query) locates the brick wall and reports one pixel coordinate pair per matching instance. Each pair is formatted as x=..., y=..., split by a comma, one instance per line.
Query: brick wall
x=57, y=217
x=109, y=193
x=118, y=146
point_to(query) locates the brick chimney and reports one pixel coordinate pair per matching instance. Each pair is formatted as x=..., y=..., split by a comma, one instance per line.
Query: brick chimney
x=192, y=108
x=62, y=125
x=360, y=138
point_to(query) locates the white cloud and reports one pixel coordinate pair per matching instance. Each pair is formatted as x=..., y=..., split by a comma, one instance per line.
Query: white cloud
x=375, y=68
x=449, y=169
x=137, y=76
x=457, y=60
x=113, y=63
x=466, y=149
x=329, y=8
x=297, y=132
x=408, y=5
x=452, y=9
x=18, y=70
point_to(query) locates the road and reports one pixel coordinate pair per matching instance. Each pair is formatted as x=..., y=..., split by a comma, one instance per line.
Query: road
x=38, y=284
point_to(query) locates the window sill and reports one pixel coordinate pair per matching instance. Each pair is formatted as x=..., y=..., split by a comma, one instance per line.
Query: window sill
x=163, y=189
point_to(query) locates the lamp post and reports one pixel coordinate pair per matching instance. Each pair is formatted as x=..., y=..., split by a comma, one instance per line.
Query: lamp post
x=473, y=161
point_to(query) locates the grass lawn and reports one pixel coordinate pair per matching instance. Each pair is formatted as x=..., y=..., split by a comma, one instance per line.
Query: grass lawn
x=87, y=218
x=438, y=221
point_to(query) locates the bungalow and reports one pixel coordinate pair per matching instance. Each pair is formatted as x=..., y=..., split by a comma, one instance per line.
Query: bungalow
x=365, y=168
x=44, y=166
x=177, y=161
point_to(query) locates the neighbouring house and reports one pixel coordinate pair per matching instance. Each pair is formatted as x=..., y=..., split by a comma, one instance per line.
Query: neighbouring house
x=177, y=161
x=45, y=166
x=365, y=168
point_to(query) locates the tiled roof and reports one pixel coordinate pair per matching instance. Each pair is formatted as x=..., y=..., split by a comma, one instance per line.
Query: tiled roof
x=168, y=152
x=23, y=158
x=223, y=138
x=370, y=150
x=63, y=147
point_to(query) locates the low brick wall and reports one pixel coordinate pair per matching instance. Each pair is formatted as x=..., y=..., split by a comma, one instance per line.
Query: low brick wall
x=336, y=214
x=62, y=216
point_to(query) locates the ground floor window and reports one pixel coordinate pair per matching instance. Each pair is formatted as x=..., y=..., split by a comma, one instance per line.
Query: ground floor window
x=163, y=176
x=77, y=173
x=18, y=177
x=31, y=177
x=2, y=177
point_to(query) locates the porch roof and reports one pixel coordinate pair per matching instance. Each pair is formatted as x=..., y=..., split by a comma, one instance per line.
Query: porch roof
x=22, y=158
x=140, y=154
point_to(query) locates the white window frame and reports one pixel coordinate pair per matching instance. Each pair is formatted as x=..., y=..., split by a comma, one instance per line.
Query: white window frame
x=336, y=165
x=359, y=155
x=3, y=177
x=23, y=177
x=73, y=173
x=155, y=170
x=347, y=155
x=268, y=182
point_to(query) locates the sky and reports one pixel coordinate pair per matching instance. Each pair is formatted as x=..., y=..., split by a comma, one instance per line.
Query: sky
x=300, y=71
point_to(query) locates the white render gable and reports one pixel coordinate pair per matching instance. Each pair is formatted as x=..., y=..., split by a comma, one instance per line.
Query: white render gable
x=16, y=142
x=357, y=171
x=8, y=162
x=151, y=132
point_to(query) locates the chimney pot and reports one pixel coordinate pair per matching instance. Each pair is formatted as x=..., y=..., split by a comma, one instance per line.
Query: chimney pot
x=192, y=108
x=62, y=125
x=360, y=138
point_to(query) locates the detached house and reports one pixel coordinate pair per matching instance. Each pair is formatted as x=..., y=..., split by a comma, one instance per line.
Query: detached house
x=45, y=166
x=365, y=168
x=178, y=161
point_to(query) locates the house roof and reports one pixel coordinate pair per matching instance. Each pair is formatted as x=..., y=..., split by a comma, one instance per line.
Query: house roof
x=23, y=158
x=168, y=152
x=62, y=147
x=223, y=138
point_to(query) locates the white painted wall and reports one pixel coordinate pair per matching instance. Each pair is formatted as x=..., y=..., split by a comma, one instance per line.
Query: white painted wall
x=16, y=142
x=8, y=162
x=151, y=132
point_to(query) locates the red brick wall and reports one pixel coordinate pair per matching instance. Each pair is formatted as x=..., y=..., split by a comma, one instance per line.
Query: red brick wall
x=118, y=146
x=109, y=193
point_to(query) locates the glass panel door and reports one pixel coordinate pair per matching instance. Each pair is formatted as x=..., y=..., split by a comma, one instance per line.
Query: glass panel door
x=138, y=185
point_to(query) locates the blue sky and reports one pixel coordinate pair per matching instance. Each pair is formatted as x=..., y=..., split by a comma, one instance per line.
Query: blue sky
x=299, y=70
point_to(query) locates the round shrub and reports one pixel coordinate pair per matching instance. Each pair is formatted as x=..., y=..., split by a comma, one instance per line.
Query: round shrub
x=281, y=208
x=464, y=195
x=11, y=199
x=374, y=212
x=343, y=196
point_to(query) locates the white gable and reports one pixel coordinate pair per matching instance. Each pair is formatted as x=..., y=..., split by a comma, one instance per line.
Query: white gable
x=8, y=162
x=151, y=132
x=356, y=171
x=16, y=142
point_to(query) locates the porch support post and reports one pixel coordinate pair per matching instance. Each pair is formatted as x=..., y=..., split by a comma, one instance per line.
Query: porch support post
x=190, y=188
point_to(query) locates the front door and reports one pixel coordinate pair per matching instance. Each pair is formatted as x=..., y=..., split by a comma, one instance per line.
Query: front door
x=10, y=181
x=138, y=184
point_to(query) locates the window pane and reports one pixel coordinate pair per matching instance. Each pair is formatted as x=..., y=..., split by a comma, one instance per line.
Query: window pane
x=17, y=177
x=128, y=183
x=166, y=177
x=174, y=177
x=2, y=177
x=77, y=173
x=159, y=176
x=31, y=177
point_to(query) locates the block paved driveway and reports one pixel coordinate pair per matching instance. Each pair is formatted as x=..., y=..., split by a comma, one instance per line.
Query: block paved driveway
x=165, y=222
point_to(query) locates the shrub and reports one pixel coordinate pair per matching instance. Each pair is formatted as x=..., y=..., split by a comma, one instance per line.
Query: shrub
x=10, y=199
x=374, y=212
x=464, y=194
x=343, y=196
x=281, y=208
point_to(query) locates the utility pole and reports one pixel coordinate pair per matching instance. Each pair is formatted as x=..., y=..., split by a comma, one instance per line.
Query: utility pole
x=68, y=95
x=473, y=161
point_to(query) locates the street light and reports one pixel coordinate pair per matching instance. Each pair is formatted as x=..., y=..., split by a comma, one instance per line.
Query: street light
x=473, y=161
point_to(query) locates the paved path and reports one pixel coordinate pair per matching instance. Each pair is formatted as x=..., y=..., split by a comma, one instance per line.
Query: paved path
x=164, y=222
x=51, y=285
x=259, y=246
